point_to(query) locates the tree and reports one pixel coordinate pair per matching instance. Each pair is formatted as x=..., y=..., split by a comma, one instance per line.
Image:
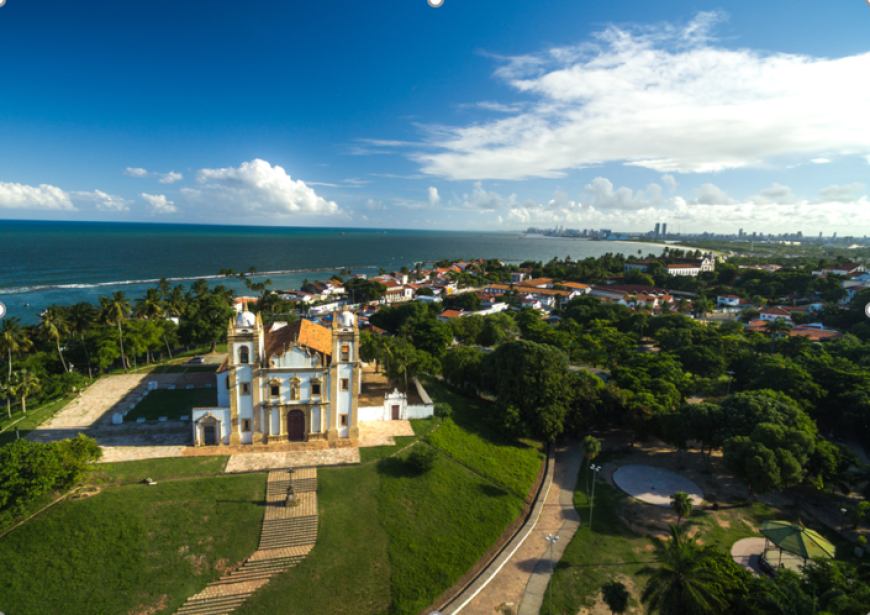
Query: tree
x=469, y=302
x=591, y=449
x=533, y=379
x=432, y=336
x=776, y=328
x=685, y=580
x=7, y=393
x=13, y=341
x=702, y=305
x=363, y=291
x=403, y=362
x=81, y=318
x=615, y=596
x=682, y=503
x=54, y=327
x=24, y=384
x=461, y=367
x=113, y=311
x=205, y=321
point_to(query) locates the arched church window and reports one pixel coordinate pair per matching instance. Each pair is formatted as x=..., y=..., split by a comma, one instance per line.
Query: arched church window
x=243, y=355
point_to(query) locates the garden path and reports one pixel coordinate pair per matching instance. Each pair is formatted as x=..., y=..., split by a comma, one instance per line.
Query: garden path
x=288, y=535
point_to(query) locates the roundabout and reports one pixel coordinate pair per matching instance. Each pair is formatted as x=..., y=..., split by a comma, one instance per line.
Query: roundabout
x=655, y=485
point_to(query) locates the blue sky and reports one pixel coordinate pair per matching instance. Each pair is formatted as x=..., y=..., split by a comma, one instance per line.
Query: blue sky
x=475, y=115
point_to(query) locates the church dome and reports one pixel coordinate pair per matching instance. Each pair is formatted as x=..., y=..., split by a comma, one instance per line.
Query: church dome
x=345, y=319
x=246, y=319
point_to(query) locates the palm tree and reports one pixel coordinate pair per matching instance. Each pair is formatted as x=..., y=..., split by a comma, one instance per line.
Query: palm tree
x=682, y=503
x=164, y=286
x=200, y=288
x=641, y=322
x=13, y=341
x=81, y=319
x=685, y=580
x=152, y=306
x=591, y=448
x=25, y=383
x=113, y=311
x=776, y=328
x=615, y=596
x=54, y=327
x=702, y=306
x=682, y=305
x=7, y=393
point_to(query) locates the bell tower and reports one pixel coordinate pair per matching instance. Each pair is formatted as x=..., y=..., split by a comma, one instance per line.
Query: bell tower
x=345, y=378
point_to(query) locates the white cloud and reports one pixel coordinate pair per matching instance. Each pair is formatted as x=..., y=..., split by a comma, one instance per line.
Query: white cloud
x=159, y=204
x=820, y=161
x=665, y=98
x=670, y=182
x=259, y=187
x=373, y=205
x=21, y=196
x=780, y=195
x=774, y=210
x=163, y=178
x=601, y=195
x=708, y=194
x=434, y=197
x=169, y=178
x=103, y=201
x=481, y=199
x=840, y=194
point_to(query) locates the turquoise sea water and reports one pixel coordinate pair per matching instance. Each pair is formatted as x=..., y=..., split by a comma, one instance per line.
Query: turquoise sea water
x=42, y=263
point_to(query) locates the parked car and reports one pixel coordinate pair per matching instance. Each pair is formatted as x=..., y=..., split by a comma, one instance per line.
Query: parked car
x=196, y=360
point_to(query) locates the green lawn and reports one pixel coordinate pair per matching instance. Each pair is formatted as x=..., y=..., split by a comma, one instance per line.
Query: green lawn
x=134, y=549
x=468, y=438
x=34, y=418
x=421, y=428
x=172, y=404
x=130, y=472
x=439, y=524
x=348, y=572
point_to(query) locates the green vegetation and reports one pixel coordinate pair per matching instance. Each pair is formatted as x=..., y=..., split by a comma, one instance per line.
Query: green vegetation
x=421, y=427
x=172, y=404
x=349, y=571
x=131, y=472
x=130, y=549
x=468, y=438
x=439, y=524
x=33, y=419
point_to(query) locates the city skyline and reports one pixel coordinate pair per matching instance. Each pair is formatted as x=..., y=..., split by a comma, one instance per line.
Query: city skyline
x=492, y=117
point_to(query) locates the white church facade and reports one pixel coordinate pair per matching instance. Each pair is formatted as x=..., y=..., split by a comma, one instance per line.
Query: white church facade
x=291, y=386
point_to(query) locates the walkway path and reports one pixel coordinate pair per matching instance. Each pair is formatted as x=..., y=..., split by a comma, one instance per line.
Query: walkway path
x=288, y=535
x=523, y=579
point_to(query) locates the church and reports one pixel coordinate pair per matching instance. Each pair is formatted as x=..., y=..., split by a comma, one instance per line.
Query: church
x=288, y=383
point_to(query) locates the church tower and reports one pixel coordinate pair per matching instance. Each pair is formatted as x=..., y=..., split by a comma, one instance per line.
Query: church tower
x=245, y=353
x=345, y=378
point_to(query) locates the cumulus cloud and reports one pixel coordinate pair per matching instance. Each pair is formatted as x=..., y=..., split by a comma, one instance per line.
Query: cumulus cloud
x=259, y=187
x=159, y=204
x=670, y=182
x=601, y=195
x=45, y=197
x=163, y=178
x=820, y=160
x=709, y=194
x=103, y=201
x=434, y=197
x=835, y=208
x=482, y=199
x=667, y=98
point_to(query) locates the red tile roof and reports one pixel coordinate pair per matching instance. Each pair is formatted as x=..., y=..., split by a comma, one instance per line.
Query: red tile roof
x=305, y=332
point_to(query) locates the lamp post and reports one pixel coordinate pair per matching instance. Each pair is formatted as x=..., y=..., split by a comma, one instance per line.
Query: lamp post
x=730, y=378
x=843, y=512
x=595, y=470
x=552, y=540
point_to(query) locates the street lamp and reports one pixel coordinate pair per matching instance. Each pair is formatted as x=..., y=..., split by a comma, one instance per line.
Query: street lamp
x=552, y=540
x=843, y=512
x=595, y=469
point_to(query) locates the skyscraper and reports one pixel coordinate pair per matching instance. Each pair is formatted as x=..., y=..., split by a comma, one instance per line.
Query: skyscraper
x=665, y=230
x=656, y=235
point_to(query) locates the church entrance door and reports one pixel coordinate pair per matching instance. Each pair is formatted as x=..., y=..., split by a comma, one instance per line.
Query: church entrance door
x=209, y=436
x=295, y=425
x=396, y=410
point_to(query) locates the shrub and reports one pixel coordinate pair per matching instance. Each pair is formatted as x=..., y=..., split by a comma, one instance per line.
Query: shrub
x=422, y=458
x=443, y=410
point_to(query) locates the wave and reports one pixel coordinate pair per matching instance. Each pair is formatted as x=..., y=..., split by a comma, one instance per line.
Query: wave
x=259, y=274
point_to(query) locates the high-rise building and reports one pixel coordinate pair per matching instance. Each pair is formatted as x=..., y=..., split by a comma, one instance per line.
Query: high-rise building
x=665, y=230
x=740, y=234
x=656, y=235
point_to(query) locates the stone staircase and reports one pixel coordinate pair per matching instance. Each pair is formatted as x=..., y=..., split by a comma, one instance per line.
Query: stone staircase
x=288, y=535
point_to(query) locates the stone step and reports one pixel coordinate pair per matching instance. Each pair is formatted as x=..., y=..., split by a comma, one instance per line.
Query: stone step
x=213, y=605
x=278, y=561
x=285, y=543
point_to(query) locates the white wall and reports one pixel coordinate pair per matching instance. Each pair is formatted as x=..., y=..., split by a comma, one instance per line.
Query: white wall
x=221, y=414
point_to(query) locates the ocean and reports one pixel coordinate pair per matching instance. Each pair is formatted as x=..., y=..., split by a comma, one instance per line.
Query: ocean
x=43, y=263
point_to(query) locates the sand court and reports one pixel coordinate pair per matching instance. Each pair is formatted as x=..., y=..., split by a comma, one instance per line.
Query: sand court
x=655, y=485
